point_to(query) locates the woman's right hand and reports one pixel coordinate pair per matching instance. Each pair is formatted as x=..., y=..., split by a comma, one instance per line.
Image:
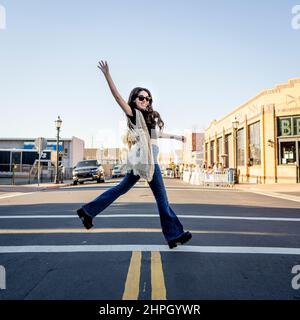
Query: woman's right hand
x=103, y=66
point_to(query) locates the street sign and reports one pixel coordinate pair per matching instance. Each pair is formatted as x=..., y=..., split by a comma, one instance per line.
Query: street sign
x=40, y=144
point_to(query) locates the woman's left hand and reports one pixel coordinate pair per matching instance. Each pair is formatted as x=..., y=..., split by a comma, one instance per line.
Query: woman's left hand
x=103, y=66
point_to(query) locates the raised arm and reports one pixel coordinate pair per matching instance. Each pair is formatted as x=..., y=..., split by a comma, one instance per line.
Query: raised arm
x=103, y=66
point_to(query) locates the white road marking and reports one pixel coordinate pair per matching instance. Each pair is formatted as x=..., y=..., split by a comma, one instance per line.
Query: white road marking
x=142, y=186
x=151, y=216
x=134, y=230
x=145, y=248
x=277, y=195
x=203, y=189
x=15, y=195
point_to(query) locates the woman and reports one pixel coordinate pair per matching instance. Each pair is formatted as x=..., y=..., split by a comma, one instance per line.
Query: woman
x=139, y=108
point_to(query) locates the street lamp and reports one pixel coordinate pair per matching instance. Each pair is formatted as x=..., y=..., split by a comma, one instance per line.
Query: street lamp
x=58, y=123
x=235, y=123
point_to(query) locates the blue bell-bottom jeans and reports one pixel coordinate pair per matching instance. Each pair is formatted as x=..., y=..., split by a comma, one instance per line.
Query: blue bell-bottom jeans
x=171, y=226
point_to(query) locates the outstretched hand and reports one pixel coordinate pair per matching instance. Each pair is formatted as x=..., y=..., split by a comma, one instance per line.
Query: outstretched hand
x=103, y=66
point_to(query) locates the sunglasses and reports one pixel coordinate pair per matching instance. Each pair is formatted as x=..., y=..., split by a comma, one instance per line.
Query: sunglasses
x=142, y=98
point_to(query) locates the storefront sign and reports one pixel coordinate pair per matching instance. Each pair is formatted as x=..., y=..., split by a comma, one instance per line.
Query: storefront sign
x=289, y=126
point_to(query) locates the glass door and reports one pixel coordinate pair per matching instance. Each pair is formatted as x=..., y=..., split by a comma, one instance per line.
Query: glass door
x=16, y=160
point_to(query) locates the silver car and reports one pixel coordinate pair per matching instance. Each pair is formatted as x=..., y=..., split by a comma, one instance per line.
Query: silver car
x=119, y=171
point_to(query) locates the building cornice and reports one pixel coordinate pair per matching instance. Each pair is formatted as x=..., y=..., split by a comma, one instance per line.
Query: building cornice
x=277, y=89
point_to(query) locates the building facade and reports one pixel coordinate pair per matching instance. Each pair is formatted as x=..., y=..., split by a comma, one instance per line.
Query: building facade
x=108, y=157
x=261, y=138
x=192, y=152
x=22, y=152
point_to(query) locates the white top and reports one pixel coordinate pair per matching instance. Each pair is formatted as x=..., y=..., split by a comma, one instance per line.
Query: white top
x=140, y=157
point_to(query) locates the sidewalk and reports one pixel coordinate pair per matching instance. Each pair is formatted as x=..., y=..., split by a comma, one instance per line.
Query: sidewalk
x=273, y=187
x=33, y=187
x=289, y=191
x=44, y=186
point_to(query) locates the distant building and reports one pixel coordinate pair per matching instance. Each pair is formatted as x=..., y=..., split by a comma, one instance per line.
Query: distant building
x=22, y=152
x=167, y=158
x=261, y=138
x=90, y=153
x=112, y=155
x=193, y=148
x=108, y=157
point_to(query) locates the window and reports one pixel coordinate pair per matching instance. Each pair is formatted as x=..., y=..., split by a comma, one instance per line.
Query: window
x=240, y=147
x=288, y=152
x=45, y=155
x=296, y=122
x=4, y=161
x=87, y=163
x=29, y=157
x=220, y=151
x=226, y=151
x=212, y=150
x=254, y=144
x=16, y=157
x=285, y=127
x=288, y=126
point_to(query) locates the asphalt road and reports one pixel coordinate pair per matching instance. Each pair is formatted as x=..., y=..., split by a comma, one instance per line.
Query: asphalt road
x=244, y=246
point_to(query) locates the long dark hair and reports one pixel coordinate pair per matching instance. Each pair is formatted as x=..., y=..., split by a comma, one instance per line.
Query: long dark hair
x=152, y=117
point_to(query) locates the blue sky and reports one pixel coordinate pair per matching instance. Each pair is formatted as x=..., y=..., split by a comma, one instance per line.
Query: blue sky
x=200, y=59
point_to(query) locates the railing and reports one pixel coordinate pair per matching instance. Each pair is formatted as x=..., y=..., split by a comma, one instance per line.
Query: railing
x=219, y=178
x=26, y=174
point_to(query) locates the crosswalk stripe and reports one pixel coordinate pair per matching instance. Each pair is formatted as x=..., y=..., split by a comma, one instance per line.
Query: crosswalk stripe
x=147, y=248
x=185, y=216
x=133, y=230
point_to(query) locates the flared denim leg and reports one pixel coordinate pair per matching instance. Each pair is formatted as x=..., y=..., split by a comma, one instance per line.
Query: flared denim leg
x=171, y=226
x=105, y=199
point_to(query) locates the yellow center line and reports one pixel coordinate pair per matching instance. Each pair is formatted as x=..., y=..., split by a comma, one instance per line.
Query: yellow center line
x=157, y=277
x=132, y=285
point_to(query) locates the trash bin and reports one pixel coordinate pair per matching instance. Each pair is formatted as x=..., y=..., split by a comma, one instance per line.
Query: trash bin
x=232, y=176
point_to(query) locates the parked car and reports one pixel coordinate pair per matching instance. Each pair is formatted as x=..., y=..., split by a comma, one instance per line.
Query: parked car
x=119, y=171
x=88, y=170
